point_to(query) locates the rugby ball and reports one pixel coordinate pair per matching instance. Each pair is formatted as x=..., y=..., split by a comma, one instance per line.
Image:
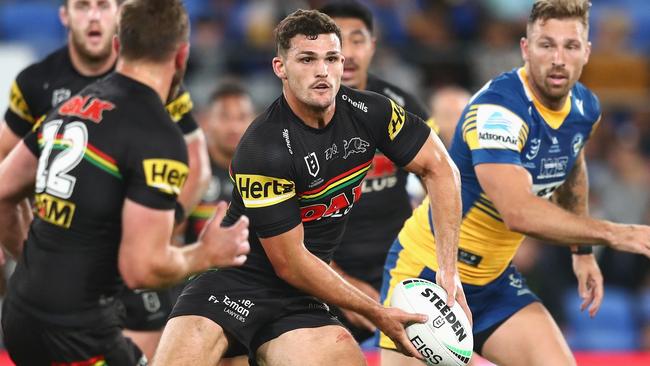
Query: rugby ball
x=446, y=338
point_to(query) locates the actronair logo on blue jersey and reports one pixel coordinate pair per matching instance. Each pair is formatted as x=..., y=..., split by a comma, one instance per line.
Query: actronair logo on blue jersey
x=498, y=128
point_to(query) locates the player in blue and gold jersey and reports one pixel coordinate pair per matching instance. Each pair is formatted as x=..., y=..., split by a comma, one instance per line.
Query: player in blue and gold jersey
x=519, y=144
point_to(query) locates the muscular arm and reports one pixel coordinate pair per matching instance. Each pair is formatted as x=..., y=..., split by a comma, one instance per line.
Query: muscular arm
x=573, y=195
x=442, y=180
x=8, y=139
x=147, y=260
x=296, y=265
x=199, y=171
x=17, y=176
x=510, y=189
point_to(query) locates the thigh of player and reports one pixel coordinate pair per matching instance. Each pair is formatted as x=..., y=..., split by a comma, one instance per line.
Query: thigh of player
x=528, y=337
x=326, y=345
x=191, y=340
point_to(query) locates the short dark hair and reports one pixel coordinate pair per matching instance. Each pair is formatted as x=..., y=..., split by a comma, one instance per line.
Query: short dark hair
x=560, y=9
x=228, y=89
x=152, y=29
x=310, y=23
x=66, y=2
x=349, y=9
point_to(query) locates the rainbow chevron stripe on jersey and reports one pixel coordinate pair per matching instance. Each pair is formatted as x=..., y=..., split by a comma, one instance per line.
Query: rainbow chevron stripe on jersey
x=504, y=123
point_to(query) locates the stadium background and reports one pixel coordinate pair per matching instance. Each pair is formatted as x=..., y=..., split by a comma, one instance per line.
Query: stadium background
x=423, y=45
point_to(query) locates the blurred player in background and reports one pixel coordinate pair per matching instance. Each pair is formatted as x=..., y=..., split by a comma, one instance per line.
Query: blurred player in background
x=89, y=56
x=378, y=217
x=106, y=166
x=298, y=172
x=447, y=104
x=229, y=112
x=518, y=145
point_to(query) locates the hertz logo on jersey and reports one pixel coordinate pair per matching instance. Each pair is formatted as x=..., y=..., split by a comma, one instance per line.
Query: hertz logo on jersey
x=54, y=210
x=167, y=175
x=396, y=120
x=262, y=191
x=180, y=106
x=17, y=103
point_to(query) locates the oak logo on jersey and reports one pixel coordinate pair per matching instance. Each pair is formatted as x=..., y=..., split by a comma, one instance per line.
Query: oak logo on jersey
x=167, y=175
x=85, y=107
x=54, y=210
x=17, y=103
x=396, y=120
x=261, y=191
x=180, y=106
x=338, y=206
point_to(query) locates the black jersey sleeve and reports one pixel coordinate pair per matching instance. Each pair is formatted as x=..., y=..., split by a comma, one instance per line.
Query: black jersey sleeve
x=31, y=141
x=399, y=134
x=155, y=163
x=180, y=109
x=265, y=185
x=18, y=116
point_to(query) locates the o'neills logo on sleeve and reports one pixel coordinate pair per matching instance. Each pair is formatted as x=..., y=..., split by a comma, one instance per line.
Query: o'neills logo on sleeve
x=261, y=191
x=167, y=175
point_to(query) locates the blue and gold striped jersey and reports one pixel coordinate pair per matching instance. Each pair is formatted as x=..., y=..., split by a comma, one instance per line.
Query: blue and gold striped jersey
x=504, y=123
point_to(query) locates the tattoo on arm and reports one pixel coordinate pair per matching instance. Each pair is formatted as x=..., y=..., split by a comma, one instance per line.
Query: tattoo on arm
x=573, y=195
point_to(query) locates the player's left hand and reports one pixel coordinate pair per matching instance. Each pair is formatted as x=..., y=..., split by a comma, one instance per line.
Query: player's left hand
x=590, y=282
x=450, y=281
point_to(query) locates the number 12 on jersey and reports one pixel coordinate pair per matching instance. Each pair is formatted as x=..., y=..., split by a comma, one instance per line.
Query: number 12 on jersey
x=52, y=177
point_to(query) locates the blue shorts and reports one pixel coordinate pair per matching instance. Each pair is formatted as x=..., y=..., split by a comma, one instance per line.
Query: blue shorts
x=491, y=304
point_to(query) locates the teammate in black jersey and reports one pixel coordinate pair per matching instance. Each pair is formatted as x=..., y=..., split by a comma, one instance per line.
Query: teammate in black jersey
x=376, y=220
x=88, y=57
x=229, y=113
x=297, y=172
x=106, y=166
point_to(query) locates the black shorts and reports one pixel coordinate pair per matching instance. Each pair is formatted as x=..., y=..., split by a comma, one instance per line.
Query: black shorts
x=252, y=311
x=146, y=310
x=33, y=342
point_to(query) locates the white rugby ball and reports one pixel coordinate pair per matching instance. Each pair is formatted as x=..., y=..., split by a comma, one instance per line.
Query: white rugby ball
x=446, y=338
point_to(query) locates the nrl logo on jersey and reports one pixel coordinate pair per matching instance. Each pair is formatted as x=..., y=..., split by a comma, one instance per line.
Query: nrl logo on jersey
x=60, y=95
x=312, y=164
x=534, y=148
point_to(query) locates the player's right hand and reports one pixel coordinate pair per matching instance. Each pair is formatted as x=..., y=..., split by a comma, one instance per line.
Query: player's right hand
x=225, y=246
x=392, y=322
x=631, y=238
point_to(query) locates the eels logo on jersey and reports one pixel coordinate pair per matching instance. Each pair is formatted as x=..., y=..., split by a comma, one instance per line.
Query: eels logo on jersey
x=261, y=191
x=167, y=175
x=180, y=106
x=17, y=103
x=396, y=120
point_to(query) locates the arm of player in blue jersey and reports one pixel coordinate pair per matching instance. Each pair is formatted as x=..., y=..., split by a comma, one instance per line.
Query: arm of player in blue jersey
x=441, y=178
x=509, y=187
x=17, y=177
x=573, y=195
